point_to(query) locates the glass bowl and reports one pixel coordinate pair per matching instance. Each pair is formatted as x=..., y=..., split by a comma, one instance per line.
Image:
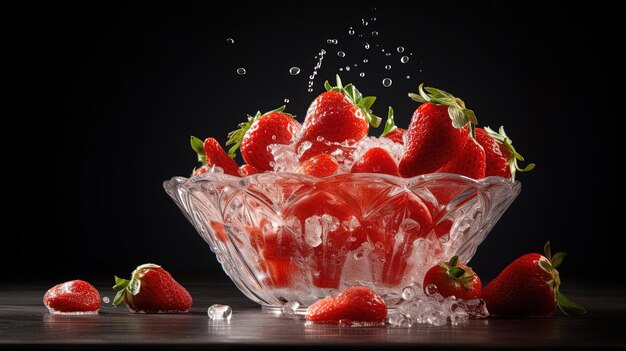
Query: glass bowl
x=286, y=237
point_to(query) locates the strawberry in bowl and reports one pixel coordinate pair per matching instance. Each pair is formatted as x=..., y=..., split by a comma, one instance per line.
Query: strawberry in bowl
x=317, y=208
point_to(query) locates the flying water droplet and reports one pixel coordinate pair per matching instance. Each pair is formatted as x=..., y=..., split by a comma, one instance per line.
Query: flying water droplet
x=241, y=71
x=365, y=60
x=356, y=65
x=362, y=74
x=286, y=101
x=294, y=71
x=382, y=50
x=351, y=31
x=366, y=45
x=404, y=59
x=408, y=77
x=341, y=54
x=387, y=82
x=364, y=22
x=332, y=41
x=347, y=68
x=374, y=33
x=400, y=49
x=220, y=312
x=230, y=41
x=340, y=69
x=388, y=67
x=310, y=90
x=388, y=54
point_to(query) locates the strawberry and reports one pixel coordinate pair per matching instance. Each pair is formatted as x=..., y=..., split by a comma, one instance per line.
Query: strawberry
x=438, y=131
x=152, y=289
x=376, y=160
x=322, y=165
x=453, y=279
x=260, y=131
x=72, y=296
x=391, y=131
x=529, y=286
x=500, y=153
x=210, y=153
x=392, y=227
x=355, y=305
x=246, y=170
x=470, y=162
x=340, y=115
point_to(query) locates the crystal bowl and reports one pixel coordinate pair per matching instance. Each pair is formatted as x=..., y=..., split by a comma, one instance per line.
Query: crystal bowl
x=286, y=237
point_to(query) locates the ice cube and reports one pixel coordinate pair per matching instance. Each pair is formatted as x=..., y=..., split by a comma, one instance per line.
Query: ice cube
x=316, y=228
x=285, y=158
x=410, y=292
x=290, y=308
x=220, y=312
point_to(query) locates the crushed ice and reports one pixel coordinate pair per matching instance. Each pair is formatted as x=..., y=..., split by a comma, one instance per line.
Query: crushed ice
x=220, y=312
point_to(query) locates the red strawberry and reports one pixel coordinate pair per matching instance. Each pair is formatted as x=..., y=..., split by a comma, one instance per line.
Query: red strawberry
x=355, y=305
x=246, y=170
x=529, y=286
x=376, y=160
x=453, y=279
x=322, y=165
x=392, y=227
x=470, y=162
x=437, y=133
x=72, y=296
x=210, y=153
x=339, y=115
x=260, y=131
x=152, y=289
x=391, y=131
x=500, y=153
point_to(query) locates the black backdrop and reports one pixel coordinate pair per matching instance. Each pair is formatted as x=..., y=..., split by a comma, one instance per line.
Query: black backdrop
x=108, y=94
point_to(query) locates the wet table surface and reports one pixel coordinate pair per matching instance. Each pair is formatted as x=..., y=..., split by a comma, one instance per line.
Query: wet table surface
x=26, y=324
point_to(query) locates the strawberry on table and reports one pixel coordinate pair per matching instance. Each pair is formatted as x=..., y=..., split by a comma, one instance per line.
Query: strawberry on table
x=152, y=289
x=391, y=131
x=454, y=278
x=322, y=165
x=529, y=287
x=72, y=296
x=339, y=115
x=254, y=136
x=376, y=160
x=210, y=153
x=358, y=304
x=500, y=153
x=439, y=129
x=469, y=162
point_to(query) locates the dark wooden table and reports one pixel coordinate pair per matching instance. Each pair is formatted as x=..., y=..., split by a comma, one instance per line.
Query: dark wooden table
x=26, y=324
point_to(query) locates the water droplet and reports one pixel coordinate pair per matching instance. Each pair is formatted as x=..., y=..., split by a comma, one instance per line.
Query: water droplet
x=408, y=77
x=408, y=293
x=106, y=299
x=351, y=31
x=274, y=136
x=388, y=54
x=241, y=71
x=374, y=33
x=431, y=289
x=400, y=49
x=404, y=59
x=387, y=82
x=322, y=52
x=332, y=41
x=364, y=22
x=411, y=54
x=286, y=101
x=388, y=67
x=366, y=45
x=341, y=54
x=382, y=50
x=220, y=312
x=312, y=76
x=341, y=69
x=310, y=90
x=374, y=18
x=362, y=74
x=294, y=71
x=230, y=41
x=365, y=60
x=355, y=65
x=347, y=68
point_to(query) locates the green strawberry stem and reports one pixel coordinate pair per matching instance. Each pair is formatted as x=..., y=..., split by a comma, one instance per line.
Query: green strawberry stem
x=132, y=286
x=390, y=124
x=459, y=114
x=454, y=272
x=236, y=136
x=514, y=156
x=363, y=102
x=567, y=306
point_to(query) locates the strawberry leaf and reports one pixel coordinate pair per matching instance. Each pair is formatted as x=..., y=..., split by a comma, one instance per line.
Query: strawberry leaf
x=119, y=297
x=557, y=259
x=120, y=286
x=456, y=115
x=356, y=97
x=569, y=307
x=417, y=98
x=198, y=146
x=454, y=261
x=459, y=114
x=390, y=125
x=514, y=156
x=368, y=101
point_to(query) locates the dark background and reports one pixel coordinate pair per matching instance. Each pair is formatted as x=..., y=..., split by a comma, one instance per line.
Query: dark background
x=108, y=95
